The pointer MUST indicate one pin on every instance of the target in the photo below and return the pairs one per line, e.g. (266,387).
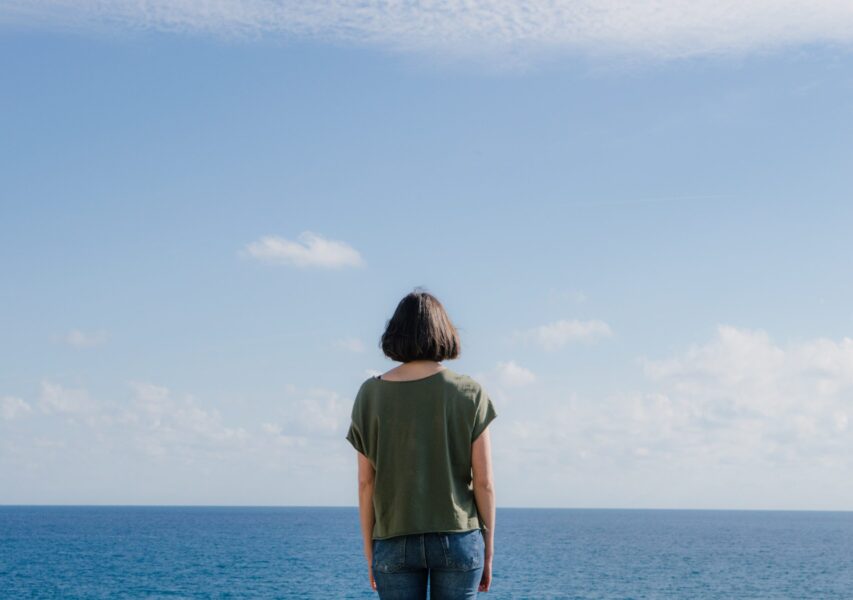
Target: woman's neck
(415,369)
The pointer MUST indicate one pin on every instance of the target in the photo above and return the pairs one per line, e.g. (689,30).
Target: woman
(426,496)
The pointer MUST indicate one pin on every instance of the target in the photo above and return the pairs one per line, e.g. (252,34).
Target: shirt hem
(420,531)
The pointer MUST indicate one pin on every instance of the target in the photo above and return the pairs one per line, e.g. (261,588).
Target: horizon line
(355,507)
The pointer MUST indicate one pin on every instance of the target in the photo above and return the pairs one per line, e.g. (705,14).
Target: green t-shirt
(417,435)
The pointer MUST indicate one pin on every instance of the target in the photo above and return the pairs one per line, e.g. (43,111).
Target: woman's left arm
(366,479)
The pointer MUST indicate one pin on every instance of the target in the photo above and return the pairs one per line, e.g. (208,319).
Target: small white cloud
(12,408)
(559,333)
(276,433)
(148,393)
(372,372)
(271,428)
(512,374)
(56,399)
(349,344)
(85,339)
(310,250)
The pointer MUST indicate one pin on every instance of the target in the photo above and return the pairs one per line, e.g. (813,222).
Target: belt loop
(444,540)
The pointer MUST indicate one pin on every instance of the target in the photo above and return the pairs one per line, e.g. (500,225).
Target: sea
(275,552)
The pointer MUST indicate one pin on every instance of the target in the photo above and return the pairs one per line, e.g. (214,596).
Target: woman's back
(418,434)
(426,500)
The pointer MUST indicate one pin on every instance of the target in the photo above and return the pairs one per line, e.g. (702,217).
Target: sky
(637,216)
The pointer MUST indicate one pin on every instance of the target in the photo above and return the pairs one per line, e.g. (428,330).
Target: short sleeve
(356,432)
(484,415)
(356,439)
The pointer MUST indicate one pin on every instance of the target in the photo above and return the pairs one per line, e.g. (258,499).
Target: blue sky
(645,244)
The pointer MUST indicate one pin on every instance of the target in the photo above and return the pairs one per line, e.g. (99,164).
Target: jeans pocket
(464,551)
(389,555)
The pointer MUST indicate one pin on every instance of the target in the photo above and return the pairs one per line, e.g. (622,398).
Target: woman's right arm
(484,495)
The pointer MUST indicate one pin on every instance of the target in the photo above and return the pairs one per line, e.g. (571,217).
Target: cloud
(57,399)
(349,344)
(662,28)
(559,333)
(317,411)
(513,375)
(154,422)
(738,420)
(84,339)
(799,392)
(739,401)
(153,445)
(282,439)
(308,418)
(310,250)
(166,425)
(12,408)
(503,380)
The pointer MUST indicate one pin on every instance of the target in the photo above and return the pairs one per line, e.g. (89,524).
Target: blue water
(179,552)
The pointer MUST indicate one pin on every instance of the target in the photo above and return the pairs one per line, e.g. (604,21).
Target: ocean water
(231,552)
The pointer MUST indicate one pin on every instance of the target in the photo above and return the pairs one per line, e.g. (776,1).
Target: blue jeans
(453,563)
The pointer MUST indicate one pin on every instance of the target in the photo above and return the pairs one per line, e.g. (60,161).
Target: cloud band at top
(652,28)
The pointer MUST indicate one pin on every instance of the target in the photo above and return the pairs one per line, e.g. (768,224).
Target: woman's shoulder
(463,381)
(365,390)
(467,387)
(368,384)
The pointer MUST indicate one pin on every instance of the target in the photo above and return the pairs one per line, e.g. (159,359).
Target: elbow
(365,485)
(484,485)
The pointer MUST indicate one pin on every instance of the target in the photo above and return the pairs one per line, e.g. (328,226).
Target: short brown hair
(420,330)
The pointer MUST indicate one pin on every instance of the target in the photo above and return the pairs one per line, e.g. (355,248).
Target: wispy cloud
(799,391)
(745,398)
(664,28)
(736,411)
(318,411)
(309,250)
(184,444)
(564,331)
(12,407)
(58,399)
(739,399)
(85,339)
(512,374)
(165,425)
